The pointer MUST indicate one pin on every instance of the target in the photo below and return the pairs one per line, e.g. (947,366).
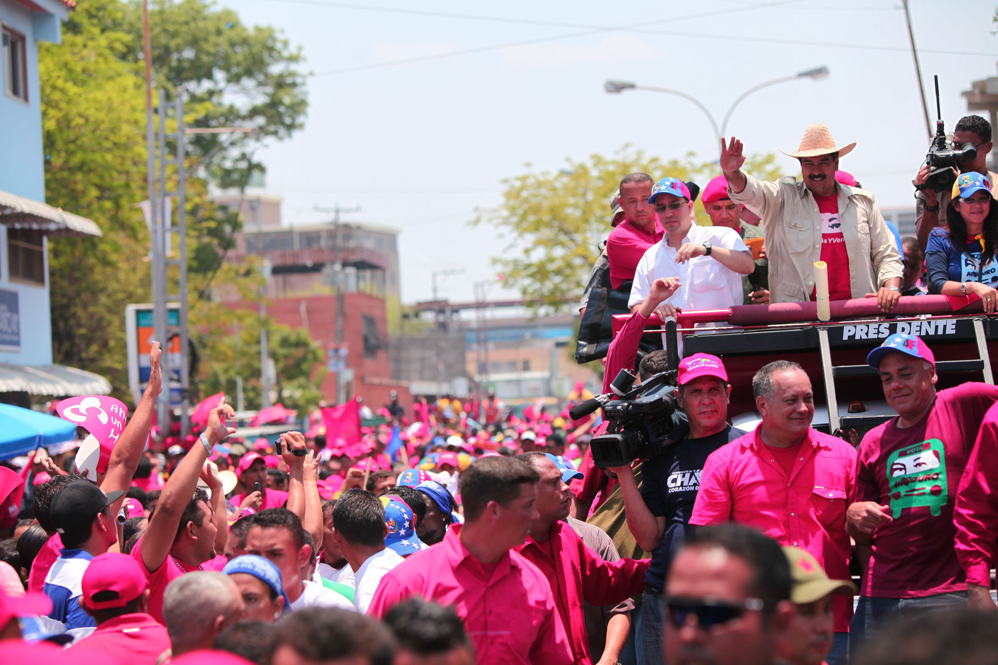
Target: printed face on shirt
(258,598)
(634,201)
(808,637)
(787,413)
(554,499)
(724,212)
(712,573)
(276,545)
(673,213)
(909,383)
(705,401)
(917,478)
(819,174)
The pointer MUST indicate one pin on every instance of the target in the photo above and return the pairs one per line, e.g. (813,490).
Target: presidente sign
(880,331)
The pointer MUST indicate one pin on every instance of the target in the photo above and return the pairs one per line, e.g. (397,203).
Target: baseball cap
(27,605)
(701,364)
(568,472)
(117,577)
(910,344)
(968,183)
(133,508)
(401,537)
(528,436)
(716,190)
(412,477)
(76,506)
(262,569)
(810,583)
(670,186)
(246,461)
(448,458)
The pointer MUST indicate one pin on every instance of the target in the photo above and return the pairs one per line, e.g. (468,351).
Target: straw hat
(818,141)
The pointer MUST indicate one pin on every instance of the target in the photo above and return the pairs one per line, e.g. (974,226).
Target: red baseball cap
(715,190)
(246,461)
(108,573)
(701,364)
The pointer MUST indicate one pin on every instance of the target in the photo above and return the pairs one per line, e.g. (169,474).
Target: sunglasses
(661,207)
(709,612)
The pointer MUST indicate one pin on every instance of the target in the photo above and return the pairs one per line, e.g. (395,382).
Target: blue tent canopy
(24,430)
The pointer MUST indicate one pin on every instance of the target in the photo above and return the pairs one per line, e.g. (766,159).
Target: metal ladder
(830,372)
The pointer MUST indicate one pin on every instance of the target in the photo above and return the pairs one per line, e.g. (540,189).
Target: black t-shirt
(669,485)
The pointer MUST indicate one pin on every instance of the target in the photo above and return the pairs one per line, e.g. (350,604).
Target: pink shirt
(137,635)
(976,513)
(43,563)
(742,483)
(159,579)
(625,247)
(271,499)
(576,573)
(507,608)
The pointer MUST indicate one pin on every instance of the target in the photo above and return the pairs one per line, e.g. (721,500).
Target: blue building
(26,222)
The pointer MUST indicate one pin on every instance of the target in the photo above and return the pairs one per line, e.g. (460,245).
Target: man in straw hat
(815,219)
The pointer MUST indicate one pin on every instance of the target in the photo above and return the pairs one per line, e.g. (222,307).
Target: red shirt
(271,499)
(43,562)
(917,472)
(576,574)
(742,482)
(625,247)
(137,635)
(976,511)
(833,249)
(159,579)
(594,483)
(507,608)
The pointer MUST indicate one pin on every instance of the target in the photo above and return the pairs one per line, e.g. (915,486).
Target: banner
(342,422)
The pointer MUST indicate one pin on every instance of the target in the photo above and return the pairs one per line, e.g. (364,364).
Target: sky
(419,109)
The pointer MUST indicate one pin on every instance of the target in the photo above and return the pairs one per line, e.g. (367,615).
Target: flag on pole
(343,422)
(395,444)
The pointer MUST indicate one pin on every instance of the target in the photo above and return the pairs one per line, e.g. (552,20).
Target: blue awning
(24,430)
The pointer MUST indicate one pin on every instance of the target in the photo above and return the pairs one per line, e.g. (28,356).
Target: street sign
(140,331)
(336,359)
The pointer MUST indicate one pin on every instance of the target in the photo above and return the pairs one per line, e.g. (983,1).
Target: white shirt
(369,575)
(344,575)
(316,595)
(706,283)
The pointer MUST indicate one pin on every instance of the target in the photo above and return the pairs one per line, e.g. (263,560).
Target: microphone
(583,409)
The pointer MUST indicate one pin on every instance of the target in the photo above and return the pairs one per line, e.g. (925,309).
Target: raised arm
(732,161)
(126,453)
(289,442)
(177,493)
(312,522)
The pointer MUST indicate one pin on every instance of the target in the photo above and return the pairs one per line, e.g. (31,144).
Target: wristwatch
(895,288)
(707,246)
(963,288)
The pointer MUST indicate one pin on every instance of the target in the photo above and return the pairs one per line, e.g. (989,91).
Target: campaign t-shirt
(833,250)
(669,487)
(916,472)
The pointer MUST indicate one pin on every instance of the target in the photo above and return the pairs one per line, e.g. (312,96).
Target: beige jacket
(792,230)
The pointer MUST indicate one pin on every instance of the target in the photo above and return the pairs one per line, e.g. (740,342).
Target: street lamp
(616,87)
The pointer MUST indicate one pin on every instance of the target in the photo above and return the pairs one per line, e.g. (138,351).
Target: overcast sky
(419,141)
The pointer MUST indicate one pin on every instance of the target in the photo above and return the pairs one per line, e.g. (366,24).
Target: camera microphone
(583,409)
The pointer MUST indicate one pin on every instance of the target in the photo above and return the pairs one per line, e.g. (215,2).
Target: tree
(555,221)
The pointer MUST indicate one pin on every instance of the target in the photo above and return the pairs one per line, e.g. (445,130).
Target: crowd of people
(459,532)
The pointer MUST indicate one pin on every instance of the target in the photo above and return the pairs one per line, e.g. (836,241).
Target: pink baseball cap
(133,508)
(246,461)
(701,364)
(112,572)
(41,478)
(272,461)
(26,605)
(715,190)
(448,458)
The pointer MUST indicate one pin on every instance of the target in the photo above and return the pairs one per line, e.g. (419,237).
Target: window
(26,255)
(526,365)
(15,65)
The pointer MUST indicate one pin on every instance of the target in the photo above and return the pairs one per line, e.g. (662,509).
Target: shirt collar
(756,442)
(458,555)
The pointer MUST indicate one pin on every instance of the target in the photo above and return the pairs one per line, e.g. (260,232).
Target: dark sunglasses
(709,612)
(661,207)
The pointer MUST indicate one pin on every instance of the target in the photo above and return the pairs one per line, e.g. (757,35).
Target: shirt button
(793,514)
(795,543)
(801,459)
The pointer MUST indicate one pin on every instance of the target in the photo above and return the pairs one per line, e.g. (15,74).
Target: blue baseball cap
(968,183)
(568,472)
(672,186)
(401,538)
(262,569)
(909,344)
(412,477)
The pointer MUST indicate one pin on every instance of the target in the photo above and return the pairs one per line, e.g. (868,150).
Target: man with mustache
(815,219)
(787,480)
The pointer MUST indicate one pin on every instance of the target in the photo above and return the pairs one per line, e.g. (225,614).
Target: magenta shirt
(137,635)
(976,512)
(625,247)
(741,482)
(507,608)
(271,499)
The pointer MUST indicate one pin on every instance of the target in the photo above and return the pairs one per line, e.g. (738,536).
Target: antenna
(939,113)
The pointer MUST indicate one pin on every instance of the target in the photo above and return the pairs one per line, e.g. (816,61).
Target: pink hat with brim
(448,458)
(699,365)
(272,461)
(246,461)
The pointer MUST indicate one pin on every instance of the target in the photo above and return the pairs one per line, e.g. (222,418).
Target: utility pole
(918,68)
(265,377)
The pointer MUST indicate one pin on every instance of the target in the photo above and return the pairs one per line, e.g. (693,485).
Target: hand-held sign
(102,416)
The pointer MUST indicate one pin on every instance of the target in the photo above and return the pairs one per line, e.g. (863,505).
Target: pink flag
(102,416)
(343,422)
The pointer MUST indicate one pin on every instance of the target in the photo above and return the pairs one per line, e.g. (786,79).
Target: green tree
(554,222)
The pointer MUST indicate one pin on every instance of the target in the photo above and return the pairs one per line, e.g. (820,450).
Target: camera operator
(931,207)
(658,513)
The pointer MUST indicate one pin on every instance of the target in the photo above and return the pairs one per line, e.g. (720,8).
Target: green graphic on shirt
(917,477)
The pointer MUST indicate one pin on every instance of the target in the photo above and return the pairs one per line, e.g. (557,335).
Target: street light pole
(616,87)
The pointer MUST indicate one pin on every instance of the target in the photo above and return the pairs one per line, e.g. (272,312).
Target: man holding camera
(658,513)
(930,205)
